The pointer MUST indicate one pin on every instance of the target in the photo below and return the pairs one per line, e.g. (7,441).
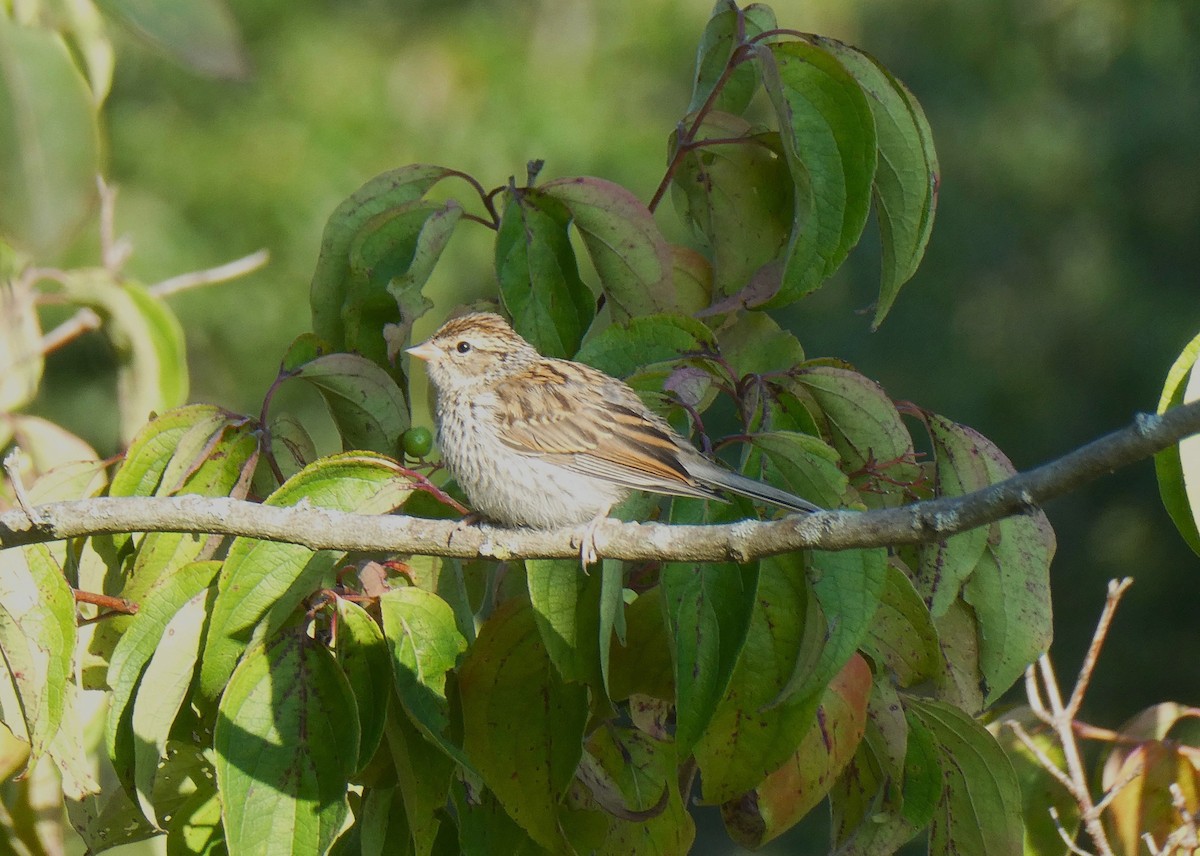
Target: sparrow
(547,443)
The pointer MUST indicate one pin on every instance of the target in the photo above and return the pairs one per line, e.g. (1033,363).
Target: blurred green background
(1059,285)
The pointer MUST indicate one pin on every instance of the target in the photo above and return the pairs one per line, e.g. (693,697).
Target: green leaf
(346,275)
(201,35)
(980,806)
(902,637)
(708,609)
(726,29)
(20,344)
(262,582)
(793,790)
(847,586)
(959,468)
(424,773)
(363,655)
(539,277)
(37,640)
(148,340)
(195,828)
(632,258)
(862,423)
(366,404)
(425,643)
(829,141)
(162,691)
(132,654)
(800,464)
(523,726)
(738,197)
(566,610)
(626,348)
(754,343)
(286,742)
(906,180)
(1178,467)
(207,452)
(743,743)
(1010,593)
(961,680)
(49,142)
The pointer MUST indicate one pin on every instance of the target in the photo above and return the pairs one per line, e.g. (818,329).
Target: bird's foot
(585,539)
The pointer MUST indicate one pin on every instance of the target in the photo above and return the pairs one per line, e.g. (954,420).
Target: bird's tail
(731,481)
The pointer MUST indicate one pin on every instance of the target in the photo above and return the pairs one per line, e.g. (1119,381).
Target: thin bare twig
(1116,589)
(12,468)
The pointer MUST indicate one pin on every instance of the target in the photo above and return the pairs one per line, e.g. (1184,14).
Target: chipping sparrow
(547,443)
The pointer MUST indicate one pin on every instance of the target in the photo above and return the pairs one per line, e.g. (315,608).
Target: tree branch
(319,528)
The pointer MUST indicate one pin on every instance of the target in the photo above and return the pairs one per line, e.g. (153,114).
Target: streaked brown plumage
(546,443)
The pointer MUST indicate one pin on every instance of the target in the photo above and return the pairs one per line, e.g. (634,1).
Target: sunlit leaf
(525,752)
(737,194)
(286,743)
(627,347)
(37,640)
(20,344)
(425,643)
(1178,466)
(262,582)
(347,278)
(363,655)
(201,35)
(49,141)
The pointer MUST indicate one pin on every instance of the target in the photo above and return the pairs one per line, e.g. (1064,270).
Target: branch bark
(931,520)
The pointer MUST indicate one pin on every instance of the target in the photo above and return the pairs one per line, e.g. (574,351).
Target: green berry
(417,442)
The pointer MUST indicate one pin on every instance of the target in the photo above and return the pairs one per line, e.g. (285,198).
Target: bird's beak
(425,351)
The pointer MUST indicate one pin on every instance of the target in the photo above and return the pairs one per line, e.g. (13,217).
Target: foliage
(269,696)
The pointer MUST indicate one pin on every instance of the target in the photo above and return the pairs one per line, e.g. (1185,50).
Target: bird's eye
(463,347)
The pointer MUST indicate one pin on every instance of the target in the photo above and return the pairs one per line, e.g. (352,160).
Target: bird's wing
(589,423)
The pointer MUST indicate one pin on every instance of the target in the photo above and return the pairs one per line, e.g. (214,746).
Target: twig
(85,319)
(1116,589)
(11,467)
(115,604)
(1066,836)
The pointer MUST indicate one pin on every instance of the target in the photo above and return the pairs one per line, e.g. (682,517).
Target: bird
(547,443)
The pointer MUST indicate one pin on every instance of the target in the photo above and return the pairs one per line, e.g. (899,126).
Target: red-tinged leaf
(980,806)
(523,725)
(1178,467)
(793,790)
(847,586)
(890,788)
(1159,748)
(632,258)
(829,141)
(863,425)
(744,741)
(539,277)
(693,278)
